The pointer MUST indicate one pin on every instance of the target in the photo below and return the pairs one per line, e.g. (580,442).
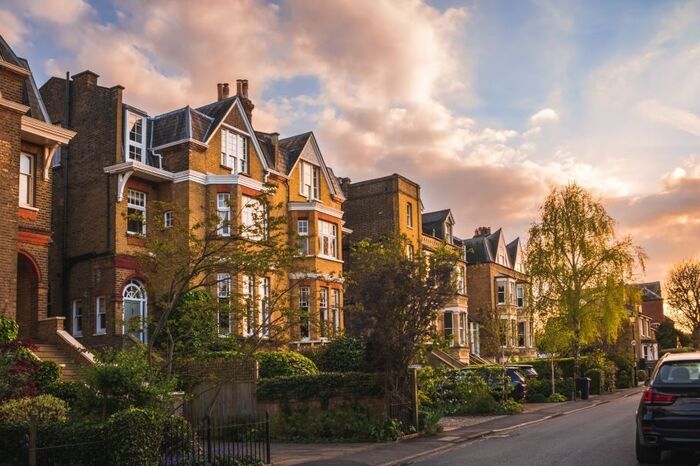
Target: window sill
(29,207)
(99,334)
(329,258)
(77,335)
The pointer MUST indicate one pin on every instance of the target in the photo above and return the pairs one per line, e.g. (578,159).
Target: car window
(679,372)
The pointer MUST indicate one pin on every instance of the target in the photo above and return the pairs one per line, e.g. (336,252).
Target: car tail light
(652,397)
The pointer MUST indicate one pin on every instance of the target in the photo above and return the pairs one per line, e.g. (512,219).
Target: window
(100,316)
(234,151)
(323,310)
(136,137)
(248,294)
(77,318)
(304,308)
(448,233)
(254,219)
(409,251)
(409,215)
(511,292)
(474,343)
(513,332)
(303,234)
(223,297)
(328,239)
(56,161)
(448,325)
(500,292)
(501,258)
(26,180)
(223,210)
(521,334)
(168,219)
(462,328)
(521,296)
(461,285)
(309,181)
(135,309)
(264,301)
(336,310)
(136,213)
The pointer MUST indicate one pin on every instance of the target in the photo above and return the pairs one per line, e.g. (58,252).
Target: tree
(669,336)
(578,267)
(395,301)
(683,294)
(194,253)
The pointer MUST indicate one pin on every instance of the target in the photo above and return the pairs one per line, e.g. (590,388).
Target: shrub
(319,386)
(9,329)
(538,390)
(623,379)
(642,375)
(46,408)
(344,354)
(510,407)
(284,363)
(70,392)
(48,374)
(455,392)
(135,437)
(597,378)
(536,397)
(18,367)
(556,398)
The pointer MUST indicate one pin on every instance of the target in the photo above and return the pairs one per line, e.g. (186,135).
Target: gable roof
(292,148)
(433,223)
(483,248)
(30,92)
(512,249)
(651,291)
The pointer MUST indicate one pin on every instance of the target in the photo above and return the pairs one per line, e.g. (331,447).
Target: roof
(694,355)
(217,111)
(335,181)
(291,147)
(30,92)
(480,249)
(651,291)
(512,250)
(433,223)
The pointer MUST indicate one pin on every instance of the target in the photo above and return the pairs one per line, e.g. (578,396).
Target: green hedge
(597,380)
(284,363)
(344,354)
(319,386)
(46,408)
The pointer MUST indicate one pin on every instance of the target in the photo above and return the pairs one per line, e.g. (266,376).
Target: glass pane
(25,164)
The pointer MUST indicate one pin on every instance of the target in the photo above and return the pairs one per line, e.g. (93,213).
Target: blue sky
(486,104)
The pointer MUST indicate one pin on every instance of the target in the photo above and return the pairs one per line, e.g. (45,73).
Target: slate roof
(268,150)
(336,182)
(30,92)
(481,249)
(512,250)
(291,147)
(433,223)
(217,111)
(651,291)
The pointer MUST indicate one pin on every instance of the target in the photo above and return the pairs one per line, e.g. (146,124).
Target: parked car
(519,382)
(668,416)
(528,370)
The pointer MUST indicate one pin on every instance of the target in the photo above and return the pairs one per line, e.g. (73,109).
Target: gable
(311,153)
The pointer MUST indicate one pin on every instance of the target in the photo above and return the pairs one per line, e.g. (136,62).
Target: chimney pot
(245,88)
(239,87)
(224,94)
(482,231)
(219,91)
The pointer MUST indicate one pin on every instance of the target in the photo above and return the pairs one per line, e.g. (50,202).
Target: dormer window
(310,181)
(448,233)
(234,152)
(135,137)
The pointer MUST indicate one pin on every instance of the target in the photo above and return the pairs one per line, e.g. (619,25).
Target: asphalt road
(599,436)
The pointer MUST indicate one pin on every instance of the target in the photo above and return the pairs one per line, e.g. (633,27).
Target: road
(598,436)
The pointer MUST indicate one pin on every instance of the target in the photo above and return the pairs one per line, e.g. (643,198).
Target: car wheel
(650,455)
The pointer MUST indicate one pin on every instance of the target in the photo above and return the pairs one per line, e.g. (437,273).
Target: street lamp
(634,362)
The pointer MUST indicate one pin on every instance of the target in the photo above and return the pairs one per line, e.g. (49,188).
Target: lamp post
(634,362)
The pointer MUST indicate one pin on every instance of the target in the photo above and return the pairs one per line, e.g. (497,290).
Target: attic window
(135,136)
(309,181)
(234,152)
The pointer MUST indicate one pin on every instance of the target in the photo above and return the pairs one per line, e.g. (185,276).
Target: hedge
(135,437)
(319,386)
(284,363)
(9,329)
(597,380)
(46,408)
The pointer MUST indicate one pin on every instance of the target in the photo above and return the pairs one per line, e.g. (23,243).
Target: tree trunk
(577,355)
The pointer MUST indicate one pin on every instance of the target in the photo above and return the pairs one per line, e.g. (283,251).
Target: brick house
(29,142)
(392,205)
(500,324)
(645,322)
(207,160)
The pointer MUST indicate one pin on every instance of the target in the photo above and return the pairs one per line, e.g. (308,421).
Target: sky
(485,104)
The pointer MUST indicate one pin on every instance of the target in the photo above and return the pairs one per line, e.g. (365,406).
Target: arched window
(135,305)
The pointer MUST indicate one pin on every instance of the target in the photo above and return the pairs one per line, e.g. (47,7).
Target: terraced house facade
(209,162)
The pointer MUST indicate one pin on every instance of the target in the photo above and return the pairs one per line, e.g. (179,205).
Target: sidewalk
(394,453)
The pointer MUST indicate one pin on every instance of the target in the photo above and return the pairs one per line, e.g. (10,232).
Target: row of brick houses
(87,168)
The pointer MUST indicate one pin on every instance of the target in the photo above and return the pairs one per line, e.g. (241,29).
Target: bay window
(448,325)
(328,239)
(500,291)
(462,328)
(248,295)
(521,334)
(234,151)
(336,310)
(521,296)
(135,137)
(323,310)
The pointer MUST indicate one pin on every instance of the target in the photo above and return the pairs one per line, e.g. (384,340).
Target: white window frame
(223,296)
(303,234)
(410,252)
(323,297)
(248,295)
(461,280)
(511,292)
(524,325)
(305,307)
(309,180)
(135,292)
(448,331)
(501,283)
(264,305)
(134,195)
(409,215)
(234,152)
(463,328)
(129,143)
(335,309)
(28,178)
(520,297)
(77,315)
(327,239)
(253,219)
(100,315)
(168,219)
(223,212)
(474,343)
(448,232)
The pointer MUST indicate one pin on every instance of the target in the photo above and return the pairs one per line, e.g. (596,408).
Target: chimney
(219,91)
(224,91)
(239,87)
(245,88)
(275,143)
(345,183)
(242,92)
(85,79)
(482,231)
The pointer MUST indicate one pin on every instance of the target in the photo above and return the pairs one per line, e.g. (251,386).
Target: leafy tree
(578,267)
(683,295)
(395,301)
(669,336)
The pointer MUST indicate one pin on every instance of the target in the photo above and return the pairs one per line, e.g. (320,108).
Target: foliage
(46,408)
(669,336)
(122,379)
(556,398)
(135,437)
(683,296)
(429,421)
(9,330)
(395,301)
(351,423)
(70,392)
(578,267)
(535,397)
(48,374)
(597,379)
(623,379)
(343,354)
(455,392)
(18,371)
(319,386)
(228,462)
(510,407)
(642,375)
(284,363)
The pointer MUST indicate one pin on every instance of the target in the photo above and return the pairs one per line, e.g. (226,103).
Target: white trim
(233,128)
(49,154)
(14,68)
(317,150)
(14,106)
(46,130)
(316,276)
(180,141)
(315,206)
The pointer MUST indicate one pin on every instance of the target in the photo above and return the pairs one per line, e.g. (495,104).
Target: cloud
(680,119)
(13,30)
(543,116)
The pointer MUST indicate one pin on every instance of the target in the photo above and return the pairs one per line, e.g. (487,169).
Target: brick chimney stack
(242,92)
(482,231)
(222,91)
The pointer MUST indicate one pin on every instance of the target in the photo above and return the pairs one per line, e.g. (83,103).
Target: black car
(528,370)
(668,416)
(519,382)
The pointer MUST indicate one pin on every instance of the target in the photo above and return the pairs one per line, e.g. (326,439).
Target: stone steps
(48,352)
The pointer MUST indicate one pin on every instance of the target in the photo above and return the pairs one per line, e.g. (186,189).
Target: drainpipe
(65,283)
